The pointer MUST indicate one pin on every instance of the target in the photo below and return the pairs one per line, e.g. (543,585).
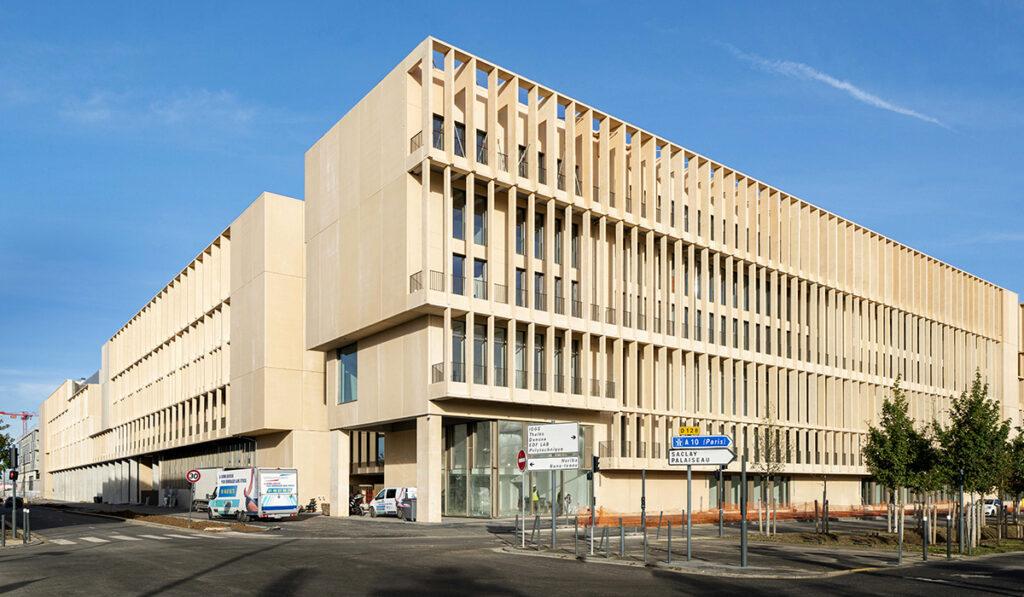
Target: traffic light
(12,455)
(13,474)
(595,466)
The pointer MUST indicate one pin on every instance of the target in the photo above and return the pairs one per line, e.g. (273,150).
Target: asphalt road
(86,555)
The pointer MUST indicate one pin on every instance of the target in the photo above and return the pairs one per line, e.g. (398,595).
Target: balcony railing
(501,293)
(577,385)
(627,318)
(609,389)
(539,381)
(559,383)
(657,325)
(607,449)
(577,308)
(657,214)
(611,198)
(560,178)
(438,140)
(595,387)
(540,301)
(641,321)
(481,154)
(595,311)
(579,187)
(609,315)
(671,329)
(416,282)
(542,174)
(560,305)
(524,168)
(520,379)
(597,193)
(437,373)
(643,209)
(480,289)
(458,284)
(459,372)
(629,204)
(500,377)
(503,162)
(479,374)
(416,141)
(521,297)
(436,281)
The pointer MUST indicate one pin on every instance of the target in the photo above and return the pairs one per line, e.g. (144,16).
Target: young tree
(972,447)
(1014,473)
(893,447)
(6,441)
(772,456)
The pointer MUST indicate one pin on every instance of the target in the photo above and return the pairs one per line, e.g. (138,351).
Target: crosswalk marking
(62,542)
(124,538)
(94,540)
(182,536)
(157,537)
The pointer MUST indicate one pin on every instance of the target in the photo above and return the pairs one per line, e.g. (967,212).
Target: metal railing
(540,301)
(609,315)
(577,308)
(416,281)
(460,146)
(657,214)
(606,448)
(481,154)
(458,284)
(629,204)
(579,187)
(539,381)
(438,139)
(671,328)
(595,387)
(611,198)
(437,373)
(627,318)
(416,141)
(560,179)
(657,325)
(609,389)
(480,289)
(560,305)
(524,167)
(597,193)
(436,281)
(479,373)
(595,311)
(520,379)
(521,297)
(641,321)
(502,162)
(560,383)
(643,209)
(458,372)
(542,174)
(501,293)
(500,376)
(577,385)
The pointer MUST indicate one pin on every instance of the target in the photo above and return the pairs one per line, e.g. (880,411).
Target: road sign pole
(526,494)
(593,507)
(554,520)
(743,512)
(192,493)
(643,507)
(14,506)
(689,511)
(721,490)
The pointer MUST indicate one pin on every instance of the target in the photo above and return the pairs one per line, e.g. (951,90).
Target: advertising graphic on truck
(246,493)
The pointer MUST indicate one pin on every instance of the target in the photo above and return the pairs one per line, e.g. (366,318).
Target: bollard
(658,534)
(519,530)
(669,543)
(622,539)
(607,543)
(949,535)
(533,535)
(924,540)
(576,537)
(3,531)
(721,522)
(25,532)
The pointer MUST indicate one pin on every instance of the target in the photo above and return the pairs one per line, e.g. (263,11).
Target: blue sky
(130,136)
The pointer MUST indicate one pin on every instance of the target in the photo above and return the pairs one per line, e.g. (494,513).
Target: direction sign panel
(698,457)
(701,441)
(553,438)
(556,463)
(689,430)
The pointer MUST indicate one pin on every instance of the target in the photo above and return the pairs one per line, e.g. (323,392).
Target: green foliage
(1014,471)
(975,441)
(896,454)
(6,441)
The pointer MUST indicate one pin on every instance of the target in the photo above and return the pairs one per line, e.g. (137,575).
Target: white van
(389,500)
(247,493)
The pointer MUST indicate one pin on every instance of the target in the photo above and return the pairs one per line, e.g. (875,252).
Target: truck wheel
(373,512)
(241,516)
(400,514)
(209,514)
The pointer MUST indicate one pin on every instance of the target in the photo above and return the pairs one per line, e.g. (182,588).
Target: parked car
(386,502)
(992,506)
(20,503)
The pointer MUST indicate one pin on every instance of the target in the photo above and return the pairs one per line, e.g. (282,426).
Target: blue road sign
(692,442)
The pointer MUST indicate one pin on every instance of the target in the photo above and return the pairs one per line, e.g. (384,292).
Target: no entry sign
(521,460)
(192,476)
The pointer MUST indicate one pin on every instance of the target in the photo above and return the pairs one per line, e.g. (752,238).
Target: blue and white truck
(255,493)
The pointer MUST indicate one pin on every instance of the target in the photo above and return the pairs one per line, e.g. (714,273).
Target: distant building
(29,472)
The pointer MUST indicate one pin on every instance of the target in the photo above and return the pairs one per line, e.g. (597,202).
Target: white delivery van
(247,493)
(387,500)
(202,490)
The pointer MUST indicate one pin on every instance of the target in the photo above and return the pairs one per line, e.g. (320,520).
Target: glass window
(458,274)
(520,231)
(480,220)
(438,132)
(480,279)
(458,350)
(479,353)
(459,214)
(520,287)
(511,493)
(460,139)
(575,245)
(538,236)
(348,374)
(521,359)
(481,146)
(558,241)
(500,350)
(480,471)
(539,369)
(539,296)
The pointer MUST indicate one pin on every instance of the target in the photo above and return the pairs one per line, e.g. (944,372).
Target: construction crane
(24,416)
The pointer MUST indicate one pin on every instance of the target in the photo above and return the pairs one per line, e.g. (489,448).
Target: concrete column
(429,478)
(340,462)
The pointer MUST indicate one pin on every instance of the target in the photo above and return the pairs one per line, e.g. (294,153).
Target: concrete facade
(493,251)
(211,372)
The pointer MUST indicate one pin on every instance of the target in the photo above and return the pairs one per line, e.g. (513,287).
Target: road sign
(689,430)
(521,460)
(553,438)
(192,476)
(701,441)
(698,457)
(556,463)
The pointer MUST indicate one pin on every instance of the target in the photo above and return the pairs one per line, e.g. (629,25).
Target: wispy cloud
(799,70)
(183,108)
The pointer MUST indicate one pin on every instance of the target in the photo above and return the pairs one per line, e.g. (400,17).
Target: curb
(149,522)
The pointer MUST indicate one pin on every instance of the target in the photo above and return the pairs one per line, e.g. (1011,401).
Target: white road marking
(157,537)
(62,542)
(124,538)
(182,536)
(94,540)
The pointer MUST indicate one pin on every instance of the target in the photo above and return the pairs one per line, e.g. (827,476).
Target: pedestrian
(534,500)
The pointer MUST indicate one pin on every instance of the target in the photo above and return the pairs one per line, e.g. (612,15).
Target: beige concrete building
(212,371)
(483,252)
